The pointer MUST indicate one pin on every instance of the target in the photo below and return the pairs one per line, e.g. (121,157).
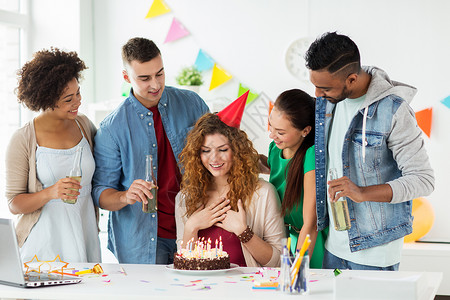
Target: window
(12,26)
(10,5)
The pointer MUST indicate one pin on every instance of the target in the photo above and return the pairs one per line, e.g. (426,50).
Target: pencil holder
(294,282)
(301,282)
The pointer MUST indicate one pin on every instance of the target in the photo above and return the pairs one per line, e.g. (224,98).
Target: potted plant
(190,78)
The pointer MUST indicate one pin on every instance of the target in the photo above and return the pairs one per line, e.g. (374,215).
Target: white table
(428,257)
(159,282)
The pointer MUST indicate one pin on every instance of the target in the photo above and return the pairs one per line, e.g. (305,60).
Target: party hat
(232,114)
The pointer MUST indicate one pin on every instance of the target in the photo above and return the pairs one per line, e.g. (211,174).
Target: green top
(278,172)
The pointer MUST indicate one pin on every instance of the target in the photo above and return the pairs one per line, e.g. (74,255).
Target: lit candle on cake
(216,247)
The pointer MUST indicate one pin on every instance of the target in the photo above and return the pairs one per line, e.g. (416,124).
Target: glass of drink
(152,205)
(339,209)
(75,173)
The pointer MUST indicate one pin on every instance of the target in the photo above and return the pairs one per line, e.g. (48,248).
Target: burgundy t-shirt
(230,242)
(168,182)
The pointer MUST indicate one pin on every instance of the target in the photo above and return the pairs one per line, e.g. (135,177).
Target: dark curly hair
(140,49)
(243,175)
(333,52)
(42,80)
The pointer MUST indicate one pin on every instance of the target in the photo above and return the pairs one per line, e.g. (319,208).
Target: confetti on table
(230,282)
(203,288)
(337,272)
(196,281)
(145,281)
(264,288)
(266,284)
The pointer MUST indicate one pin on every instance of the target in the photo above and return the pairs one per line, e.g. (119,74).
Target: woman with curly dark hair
(221,195)
(56,215)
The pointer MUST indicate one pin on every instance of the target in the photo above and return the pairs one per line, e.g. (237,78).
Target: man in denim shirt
(153,120)
(365,129)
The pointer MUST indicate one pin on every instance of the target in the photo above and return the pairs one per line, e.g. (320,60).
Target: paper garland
(126,87)
(424,118)
(204,61)
(176,31)
(252,96)
(446,102)
(159,7)
(219,77)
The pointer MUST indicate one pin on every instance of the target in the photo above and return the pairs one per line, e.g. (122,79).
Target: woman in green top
(291,162)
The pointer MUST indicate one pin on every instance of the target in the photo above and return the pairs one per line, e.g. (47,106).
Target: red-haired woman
(222,196)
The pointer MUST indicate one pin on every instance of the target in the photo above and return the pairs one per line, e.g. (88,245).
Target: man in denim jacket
(154,120)
(365,129)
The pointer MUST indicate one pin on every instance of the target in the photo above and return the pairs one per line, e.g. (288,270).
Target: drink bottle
(152,205)
(339,209)
(75,173)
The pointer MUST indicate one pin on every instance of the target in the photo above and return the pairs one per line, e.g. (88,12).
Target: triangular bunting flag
(204,61)
(158,8)
(446,102)
(271,104)
(424,118)
(232,114)
(219,77)
(126,89)
(251,96)
(176,31)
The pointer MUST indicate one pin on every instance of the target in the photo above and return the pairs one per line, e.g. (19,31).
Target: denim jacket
(392,152)
(124,138)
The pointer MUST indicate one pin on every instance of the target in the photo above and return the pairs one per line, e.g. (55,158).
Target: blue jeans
(333,262)
(165,249)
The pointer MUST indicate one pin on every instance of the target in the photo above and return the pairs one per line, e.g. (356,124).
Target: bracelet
(246,235)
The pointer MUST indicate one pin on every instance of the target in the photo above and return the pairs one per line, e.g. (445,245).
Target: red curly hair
(243,175)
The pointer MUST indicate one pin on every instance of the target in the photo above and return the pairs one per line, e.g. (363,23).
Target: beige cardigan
(263,217)
(21,170)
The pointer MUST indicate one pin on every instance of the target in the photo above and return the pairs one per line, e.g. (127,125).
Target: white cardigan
(263,217)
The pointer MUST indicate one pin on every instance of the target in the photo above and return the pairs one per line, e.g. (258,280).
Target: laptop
(11,266)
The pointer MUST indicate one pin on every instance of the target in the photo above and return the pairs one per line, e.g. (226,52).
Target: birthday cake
(200,256)
(212,259)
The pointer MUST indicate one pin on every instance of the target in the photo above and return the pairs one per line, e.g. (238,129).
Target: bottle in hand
(152,205)
(339,209)
(75,173)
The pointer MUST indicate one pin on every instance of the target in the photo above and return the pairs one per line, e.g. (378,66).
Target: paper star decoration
(26,264)
(52,265)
